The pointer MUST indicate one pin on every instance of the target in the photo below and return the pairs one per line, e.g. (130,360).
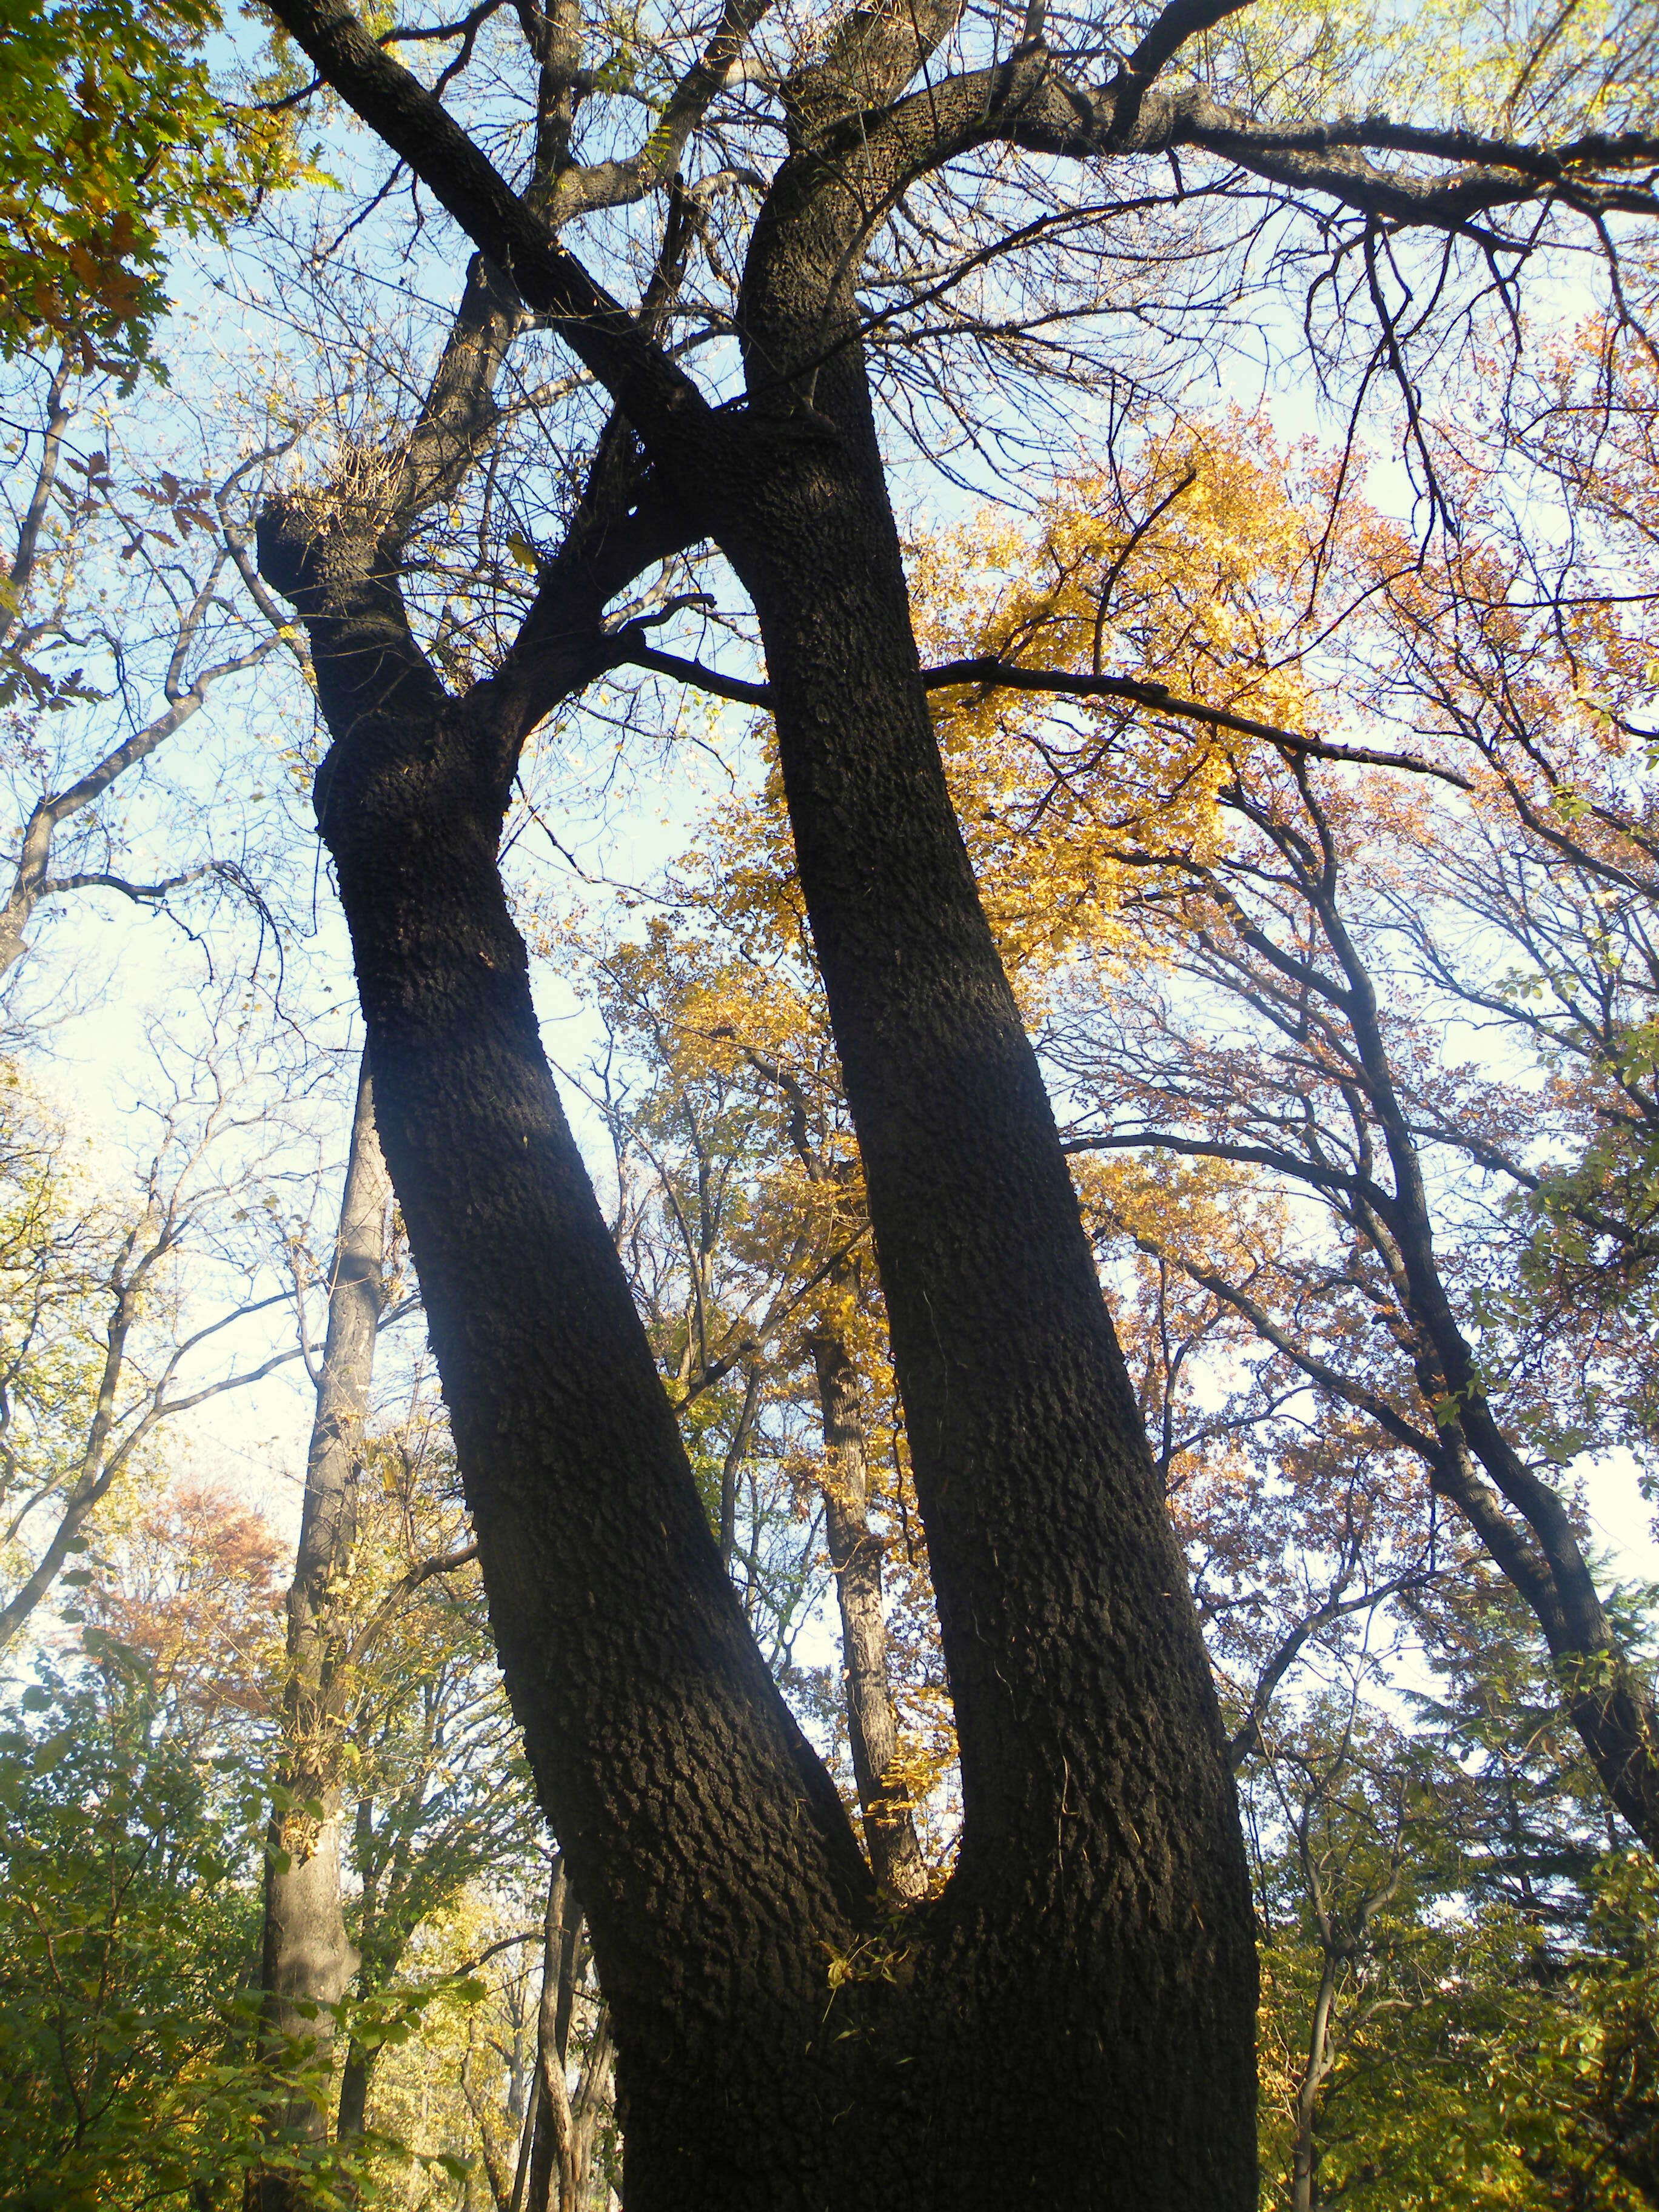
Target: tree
(111,135)
(1450,1952)
(1311,1063)
(128,1921)
(115,629)
(557,2147)
(1080,2001)
(438,1791)
(392,1757)
(98,1358)
(306,1960)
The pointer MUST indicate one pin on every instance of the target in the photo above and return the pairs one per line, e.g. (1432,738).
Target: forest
(828,1105)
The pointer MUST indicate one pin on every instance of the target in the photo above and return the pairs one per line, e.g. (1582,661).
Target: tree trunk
(307,1959)
(1075,2018)
(731,1467)
(1304,2149)
(561,2155)
(354,2077)
(527,2136)
(889,1833)
(552,2165)
(713,1858)
(1073,2021)
(588,2107)
(1094,1953)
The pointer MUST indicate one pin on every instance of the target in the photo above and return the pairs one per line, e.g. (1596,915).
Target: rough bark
(1100,2003)
(307,1959)
(705,1836)
(1117,1965)
(889,1831)
(1078,2009)
(1081,2002)
(1074,2020)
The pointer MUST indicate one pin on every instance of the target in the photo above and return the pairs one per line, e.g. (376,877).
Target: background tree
(1284,1043)
(306,1960)
(129,2075)
(113,136)
(101,1350)
(116,628)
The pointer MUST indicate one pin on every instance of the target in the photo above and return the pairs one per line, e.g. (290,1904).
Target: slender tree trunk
(552,2167)
(354,2077)
(1609,1702)
(1304,2150)
(562,2156)
(60,412)
(731,1467)
(889,1832)
(588,2107)
(526,2140)
(351,2116)
(307,1959)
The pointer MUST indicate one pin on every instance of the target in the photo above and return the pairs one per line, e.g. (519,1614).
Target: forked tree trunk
(307,1959)
(890,1830)
(1090,1965)
(1304,2146)
(564,2128)
(1072,2021)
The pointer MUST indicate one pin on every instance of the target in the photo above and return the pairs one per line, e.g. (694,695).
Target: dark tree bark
(354,2077)
(307,1958)
(1101,2002)
(699,1825)
(890,1829)
(1071,2019)
(1075,2018)
(1080,2004)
